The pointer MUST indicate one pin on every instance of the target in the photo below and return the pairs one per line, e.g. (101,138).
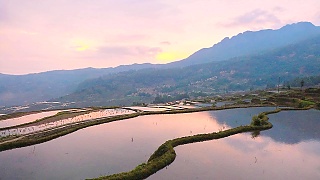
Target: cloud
(145,8)
(165,43)
(111,56)
(256,16)
(278,9)
(97,33)
(4,16)
(317,18)
(28,33)
(130,50)
(127,37)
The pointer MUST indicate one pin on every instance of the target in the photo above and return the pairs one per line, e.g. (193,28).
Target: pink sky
(42,35)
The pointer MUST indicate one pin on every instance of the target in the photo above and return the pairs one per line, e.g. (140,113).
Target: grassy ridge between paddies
(47,135)
(55,117)
(20,114)
(155,161)
(17,114)
(165,154)
(12,142)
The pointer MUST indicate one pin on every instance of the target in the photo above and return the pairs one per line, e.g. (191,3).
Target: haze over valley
(250,60)
(161,89)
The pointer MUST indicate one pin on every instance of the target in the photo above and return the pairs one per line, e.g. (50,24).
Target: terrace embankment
(165,154)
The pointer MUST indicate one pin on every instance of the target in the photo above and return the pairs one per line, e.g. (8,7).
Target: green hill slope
(237,74)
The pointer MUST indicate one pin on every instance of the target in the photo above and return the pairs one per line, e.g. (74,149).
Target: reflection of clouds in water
(245,143)
(212,116)
(261,158)
(311,146)
(146,109)
(26,119)
(112,141)
(221,126)
(77,119)
(292,127)
(238,116)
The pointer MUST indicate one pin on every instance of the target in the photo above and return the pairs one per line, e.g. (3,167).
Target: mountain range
(252,42)
(246,61)
(242,73)
(25,89)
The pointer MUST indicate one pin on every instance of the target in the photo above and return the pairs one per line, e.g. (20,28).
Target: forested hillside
(237,74)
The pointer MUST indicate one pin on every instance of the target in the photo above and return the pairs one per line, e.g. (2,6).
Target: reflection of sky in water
(265,157)
(241,157)
(149,108)
(25,119)
(295,126)
(120,146)
(161,108)
(239,116)
(80,118)
(106,148)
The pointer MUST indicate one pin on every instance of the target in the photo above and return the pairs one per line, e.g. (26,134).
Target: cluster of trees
(305,81)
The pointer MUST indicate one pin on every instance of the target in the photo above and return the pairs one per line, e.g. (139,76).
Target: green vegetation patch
(305,104)
(165,154)
(59,116)
(50,134)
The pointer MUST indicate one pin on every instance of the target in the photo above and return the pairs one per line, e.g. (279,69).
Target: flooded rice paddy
(26,119)
(62,122)
(290,150)
(161,108)
(120,146)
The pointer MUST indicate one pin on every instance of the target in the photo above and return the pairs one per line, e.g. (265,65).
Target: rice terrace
(149,149)
(159,89)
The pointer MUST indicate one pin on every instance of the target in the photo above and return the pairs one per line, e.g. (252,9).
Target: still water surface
(120,146)
(25,119)
(43,126)
(290,150)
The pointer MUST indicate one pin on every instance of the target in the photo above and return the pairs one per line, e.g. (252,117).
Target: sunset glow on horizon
(51,35)
(166,57)
(82,45)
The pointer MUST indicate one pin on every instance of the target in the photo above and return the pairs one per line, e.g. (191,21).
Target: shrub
(256,121)
(304,104)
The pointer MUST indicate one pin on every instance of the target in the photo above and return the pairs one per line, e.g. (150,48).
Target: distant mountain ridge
(24,89)
(251,42)
(237,74)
